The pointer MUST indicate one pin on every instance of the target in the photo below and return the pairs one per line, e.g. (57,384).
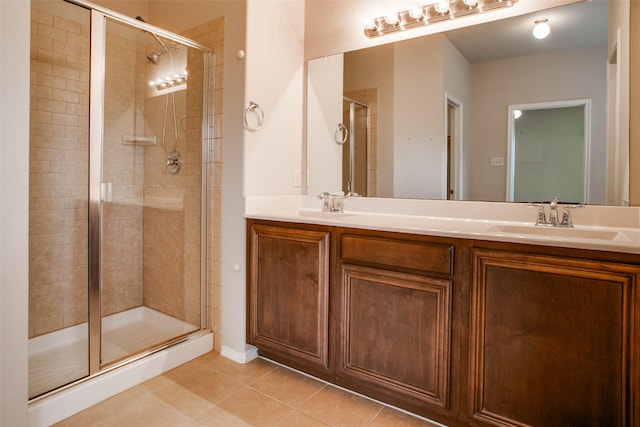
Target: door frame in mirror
(455,128)
(511,139)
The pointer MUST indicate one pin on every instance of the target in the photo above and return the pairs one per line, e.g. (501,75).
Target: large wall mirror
(437,119)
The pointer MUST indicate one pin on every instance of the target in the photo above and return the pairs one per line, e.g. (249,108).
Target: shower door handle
(106,194)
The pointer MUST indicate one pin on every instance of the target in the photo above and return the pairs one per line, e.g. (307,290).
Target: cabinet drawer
(398,253)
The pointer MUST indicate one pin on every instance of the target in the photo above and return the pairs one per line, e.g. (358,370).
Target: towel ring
(341,134)
(257,110)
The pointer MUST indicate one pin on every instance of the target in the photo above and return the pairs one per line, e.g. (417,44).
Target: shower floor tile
(214,391)
(62,357)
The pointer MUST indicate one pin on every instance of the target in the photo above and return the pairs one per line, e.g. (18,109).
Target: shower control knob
(173,163)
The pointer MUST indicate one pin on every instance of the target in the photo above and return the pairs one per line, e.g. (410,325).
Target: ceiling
(573,26)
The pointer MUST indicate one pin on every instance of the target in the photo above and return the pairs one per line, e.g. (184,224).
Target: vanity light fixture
(436,11)
(541,29)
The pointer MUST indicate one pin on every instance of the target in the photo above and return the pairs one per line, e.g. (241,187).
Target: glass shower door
(58,196)
(151,191)
(355,149)
(118,184)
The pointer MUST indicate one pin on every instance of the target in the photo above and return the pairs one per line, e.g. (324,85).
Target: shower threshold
(61,357)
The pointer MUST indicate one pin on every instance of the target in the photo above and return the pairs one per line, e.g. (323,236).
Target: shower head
(155,56)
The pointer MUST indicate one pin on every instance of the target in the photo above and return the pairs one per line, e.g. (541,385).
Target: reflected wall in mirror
(443,99)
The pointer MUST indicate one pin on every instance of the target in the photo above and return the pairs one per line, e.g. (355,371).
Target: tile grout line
(435,423)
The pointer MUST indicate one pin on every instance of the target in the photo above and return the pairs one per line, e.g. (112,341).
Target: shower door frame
(352,145)
(99,19)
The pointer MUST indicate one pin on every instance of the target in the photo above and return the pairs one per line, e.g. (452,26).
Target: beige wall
(418,122)
(618,81)
(324,112)
(634,106)
(14,210)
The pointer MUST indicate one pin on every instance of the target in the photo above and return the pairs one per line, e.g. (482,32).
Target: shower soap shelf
(138,140)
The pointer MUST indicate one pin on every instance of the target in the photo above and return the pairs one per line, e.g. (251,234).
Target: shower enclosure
(355,156)
(119,143)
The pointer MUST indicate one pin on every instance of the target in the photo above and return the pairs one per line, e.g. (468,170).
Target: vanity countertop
(606,228)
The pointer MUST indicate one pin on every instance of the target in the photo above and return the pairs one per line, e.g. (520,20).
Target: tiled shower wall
(211,34)
(58,187)
(368,124)
(123,167)
(151,245)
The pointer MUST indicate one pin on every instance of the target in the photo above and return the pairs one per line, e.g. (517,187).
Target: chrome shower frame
(99,17)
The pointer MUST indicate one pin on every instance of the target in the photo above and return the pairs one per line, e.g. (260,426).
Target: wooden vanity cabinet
(464,332)
(552,340)
(393,295)
(288,293)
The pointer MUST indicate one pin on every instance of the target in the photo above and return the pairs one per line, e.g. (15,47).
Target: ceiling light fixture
(435,11)
(541,29)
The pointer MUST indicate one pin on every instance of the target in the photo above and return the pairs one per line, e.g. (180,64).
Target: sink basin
(575,233)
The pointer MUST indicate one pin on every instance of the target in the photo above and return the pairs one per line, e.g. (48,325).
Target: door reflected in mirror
(549,147)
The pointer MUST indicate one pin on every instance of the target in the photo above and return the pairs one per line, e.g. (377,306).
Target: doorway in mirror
(548,151)
(359,152)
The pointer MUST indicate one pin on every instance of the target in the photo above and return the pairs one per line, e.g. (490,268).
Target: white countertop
(606,228)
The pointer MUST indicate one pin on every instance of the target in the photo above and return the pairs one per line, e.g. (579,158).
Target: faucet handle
(542,217)
(326,200)
(566,214)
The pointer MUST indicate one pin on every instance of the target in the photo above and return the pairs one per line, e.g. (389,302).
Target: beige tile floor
(214,391)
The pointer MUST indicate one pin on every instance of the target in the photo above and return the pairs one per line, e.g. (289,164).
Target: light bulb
(370,24)
(541,30)
(391,19)
(441,6)
(470,3)
(416,13)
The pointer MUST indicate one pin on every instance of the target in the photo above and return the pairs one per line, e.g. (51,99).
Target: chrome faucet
(331,202)
(553,211)
(553,221)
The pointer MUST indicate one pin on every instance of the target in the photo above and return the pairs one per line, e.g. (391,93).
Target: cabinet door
(288,293)
(395,332)
(551,341)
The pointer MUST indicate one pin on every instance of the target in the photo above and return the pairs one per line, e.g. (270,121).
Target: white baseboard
(241,357)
